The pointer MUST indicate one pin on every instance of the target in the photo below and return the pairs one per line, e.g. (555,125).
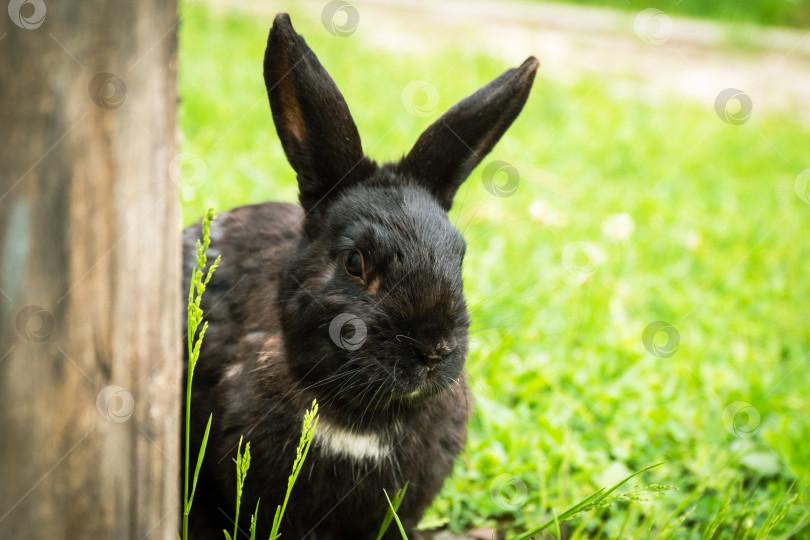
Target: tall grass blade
(396,517)
(199,463)
(242,466)
(720,517)
(594,500)
(392,509)
(307,432)
(253,520)
(778,513)
(557,527)
(194,317)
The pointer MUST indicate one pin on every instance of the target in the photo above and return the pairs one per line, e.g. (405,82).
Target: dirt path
(643,55)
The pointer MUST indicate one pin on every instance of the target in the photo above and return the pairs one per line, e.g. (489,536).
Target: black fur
(268,350)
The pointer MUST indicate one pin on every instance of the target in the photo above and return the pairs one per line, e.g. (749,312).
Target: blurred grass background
(711,238)
(770,12)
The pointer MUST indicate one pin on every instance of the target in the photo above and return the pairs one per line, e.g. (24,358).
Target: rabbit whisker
(407,337)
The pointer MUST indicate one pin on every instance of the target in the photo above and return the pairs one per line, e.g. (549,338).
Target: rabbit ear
(312,119)
(447,152)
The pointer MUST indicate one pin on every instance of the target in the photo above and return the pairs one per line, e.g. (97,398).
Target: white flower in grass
(618,227)
(582,259)
(692,240)
(547,215)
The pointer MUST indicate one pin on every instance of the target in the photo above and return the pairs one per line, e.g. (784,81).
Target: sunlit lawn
(568,399)
(768,12)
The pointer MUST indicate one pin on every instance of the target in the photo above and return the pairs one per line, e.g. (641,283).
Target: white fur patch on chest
(340,441)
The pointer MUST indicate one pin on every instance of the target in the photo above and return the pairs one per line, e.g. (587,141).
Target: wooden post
(90,344)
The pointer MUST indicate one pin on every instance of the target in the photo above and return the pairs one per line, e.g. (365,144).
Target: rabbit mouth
(426,382)
(411,391)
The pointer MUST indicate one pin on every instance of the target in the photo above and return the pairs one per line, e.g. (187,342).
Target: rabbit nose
(439,352)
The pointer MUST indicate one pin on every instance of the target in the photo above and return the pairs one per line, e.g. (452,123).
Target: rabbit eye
(353,263)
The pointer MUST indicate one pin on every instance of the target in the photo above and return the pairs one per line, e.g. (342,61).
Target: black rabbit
(354,298)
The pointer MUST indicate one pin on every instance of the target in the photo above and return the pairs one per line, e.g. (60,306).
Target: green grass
(200,278)
(770,12)
(568,399)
